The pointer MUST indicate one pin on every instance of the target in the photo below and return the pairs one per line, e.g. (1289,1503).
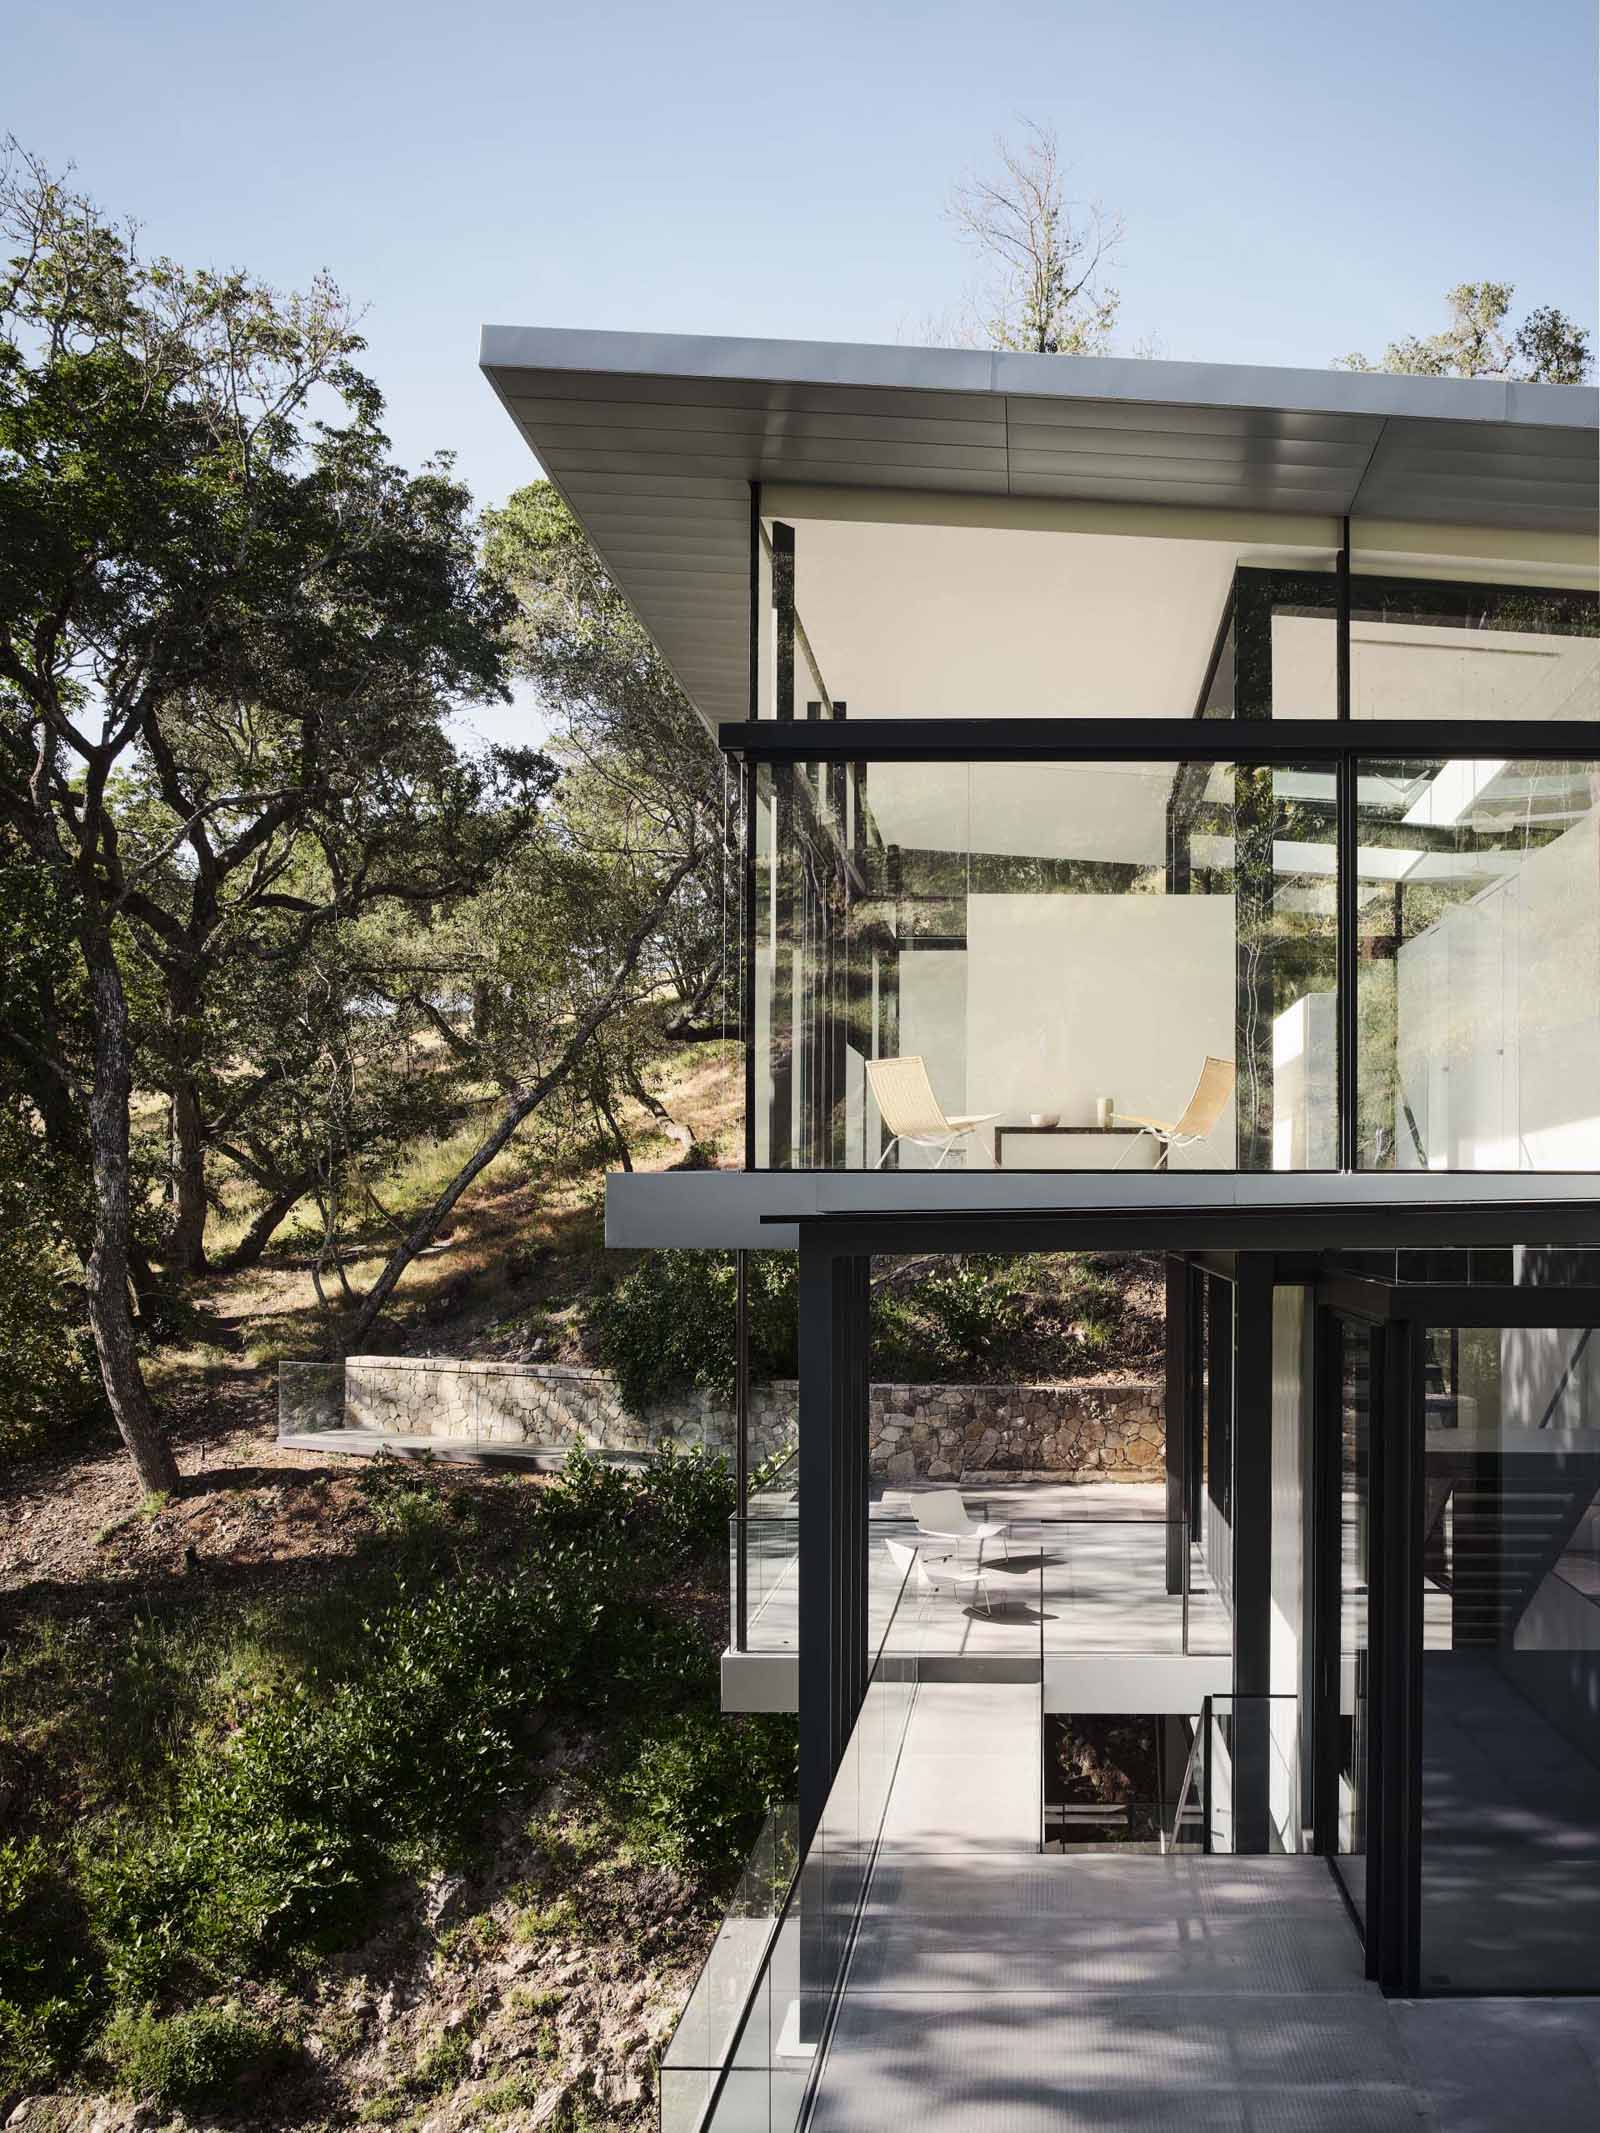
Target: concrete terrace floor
(993,1989)
(1083,1571)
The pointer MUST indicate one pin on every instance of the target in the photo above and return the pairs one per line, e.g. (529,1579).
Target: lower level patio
(1081,1568)
(991,1987)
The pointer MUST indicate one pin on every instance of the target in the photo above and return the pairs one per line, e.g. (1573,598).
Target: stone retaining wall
(918,1432)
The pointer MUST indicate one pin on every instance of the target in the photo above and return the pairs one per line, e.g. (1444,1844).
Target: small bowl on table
(1044,1119)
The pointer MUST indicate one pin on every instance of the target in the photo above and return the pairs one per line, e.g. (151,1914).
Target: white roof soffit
(654,440)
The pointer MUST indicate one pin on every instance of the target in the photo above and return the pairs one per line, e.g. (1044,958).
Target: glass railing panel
(772,1566)
(771,1544)
(1047,1587)
(709,2024)
(1508,1528)
(1247,1765)
(928,934)
(742,2057)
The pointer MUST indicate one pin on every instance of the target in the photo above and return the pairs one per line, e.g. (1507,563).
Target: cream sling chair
(1204,1108)
(912,1112)
(951,1575)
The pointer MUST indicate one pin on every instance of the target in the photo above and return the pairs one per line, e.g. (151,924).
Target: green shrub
(196,2057)
(279,1840)
(689,1498)
(266,1805)
(669,1324)
(48,1986)
(629,1522)
(699,1785)
(411,1504)
(962,1316)
(48,1382)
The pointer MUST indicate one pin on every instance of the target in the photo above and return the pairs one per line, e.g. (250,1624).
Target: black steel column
(1346,906)
(1252,1551)
(1396,1776)
(1179,1394)
(833,1515)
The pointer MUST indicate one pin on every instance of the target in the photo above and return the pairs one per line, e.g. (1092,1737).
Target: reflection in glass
(1511,1665)
(1047,939)
(1355,1581)
(1422,649)
(1479,964)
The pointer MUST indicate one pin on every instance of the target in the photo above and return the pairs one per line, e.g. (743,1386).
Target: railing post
(741,1452)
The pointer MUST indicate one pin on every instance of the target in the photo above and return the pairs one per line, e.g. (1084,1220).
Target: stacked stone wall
(917,1432)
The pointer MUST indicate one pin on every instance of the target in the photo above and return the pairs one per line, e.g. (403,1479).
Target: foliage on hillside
(213,1810)
(668,1324)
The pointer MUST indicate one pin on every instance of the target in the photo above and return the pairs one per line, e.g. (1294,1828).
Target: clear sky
(1297,179)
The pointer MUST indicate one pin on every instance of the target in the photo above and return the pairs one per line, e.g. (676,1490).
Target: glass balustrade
(1102,1585)
(1243,1789)
(743,2055)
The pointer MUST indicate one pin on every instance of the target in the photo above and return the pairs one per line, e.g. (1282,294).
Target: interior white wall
(1074,623)
(1498,1019)
(933,1022)
(1431,670)
(1069,998)
(1102,811)
(1545,1368)
(1305,1080)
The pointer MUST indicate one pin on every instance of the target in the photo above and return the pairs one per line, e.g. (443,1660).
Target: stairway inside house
(1498,1524)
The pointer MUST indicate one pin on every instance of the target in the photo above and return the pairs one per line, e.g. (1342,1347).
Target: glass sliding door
(1510,1573)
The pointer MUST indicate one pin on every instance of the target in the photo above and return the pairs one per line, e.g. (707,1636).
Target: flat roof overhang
(655,439)
(909,1211)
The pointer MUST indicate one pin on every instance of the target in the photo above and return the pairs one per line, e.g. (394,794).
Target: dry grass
(522,1248)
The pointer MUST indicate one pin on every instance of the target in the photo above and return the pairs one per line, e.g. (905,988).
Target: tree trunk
(187,1251)
(186,1247)
(110,1313)
(262,1228)
(523,1103)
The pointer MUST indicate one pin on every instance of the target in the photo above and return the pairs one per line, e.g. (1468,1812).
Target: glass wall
(1479,964)
(928,607)
(1511,1661)
(1045,966)
(1450,648)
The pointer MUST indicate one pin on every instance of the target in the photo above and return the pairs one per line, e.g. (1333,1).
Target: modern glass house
(1171,822)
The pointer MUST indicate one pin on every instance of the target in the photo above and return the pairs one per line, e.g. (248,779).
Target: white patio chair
(1200,1114)
(941,1514)
(944,1572)
(912,1112)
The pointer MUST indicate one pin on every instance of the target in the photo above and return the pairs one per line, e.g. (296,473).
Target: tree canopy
(1546,348)
(1041,254)
(231,634)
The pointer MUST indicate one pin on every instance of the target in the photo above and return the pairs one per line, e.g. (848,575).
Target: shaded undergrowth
(202,1803)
